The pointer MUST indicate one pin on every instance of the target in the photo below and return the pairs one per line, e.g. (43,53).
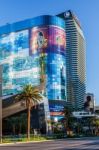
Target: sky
(87,12)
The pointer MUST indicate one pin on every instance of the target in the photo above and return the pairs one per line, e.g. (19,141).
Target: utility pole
(0,103)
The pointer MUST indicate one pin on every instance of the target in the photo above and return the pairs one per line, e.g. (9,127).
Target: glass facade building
(34,51)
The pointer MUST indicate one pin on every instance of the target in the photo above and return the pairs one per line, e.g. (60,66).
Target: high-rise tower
(75,60)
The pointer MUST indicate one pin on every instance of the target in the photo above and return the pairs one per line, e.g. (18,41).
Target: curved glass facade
(32,52)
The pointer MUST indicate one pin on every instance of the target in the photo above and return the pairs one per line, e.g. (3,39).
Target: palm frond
(29,94)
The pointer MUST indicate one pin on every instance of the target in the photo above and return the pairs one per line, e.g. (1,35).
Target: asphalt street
(74,144)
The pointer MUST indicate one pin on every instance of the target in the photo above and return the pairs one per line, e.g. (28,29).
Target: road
(74,144)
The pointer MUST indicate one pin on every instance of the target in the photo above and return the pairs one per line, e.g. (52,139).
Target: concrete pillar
(47,116)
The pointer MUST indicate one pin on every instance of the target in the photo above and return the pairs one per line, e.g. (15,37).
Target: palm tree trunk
(20,126)
(13,129)
(28,123)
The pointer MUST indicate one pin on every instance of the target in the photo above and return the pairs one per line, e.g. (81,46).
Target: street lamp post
(0,103)
(0,120)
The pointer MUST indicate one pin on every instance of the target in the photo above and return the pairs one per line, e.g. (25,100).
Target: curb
(5,144)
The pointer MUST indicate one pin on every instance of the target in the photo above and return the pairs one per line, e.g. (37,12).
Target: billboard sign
(47,39)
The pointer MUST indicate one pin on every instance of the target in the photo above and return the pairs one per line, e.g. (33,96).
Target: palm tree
(90,121)
(32,97)
(13,123)
(96,124)
(42,61)
(22,122)
(68,118)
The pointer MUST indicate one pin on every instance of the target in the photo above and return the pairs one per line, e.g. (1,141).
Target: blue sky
(88,14)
